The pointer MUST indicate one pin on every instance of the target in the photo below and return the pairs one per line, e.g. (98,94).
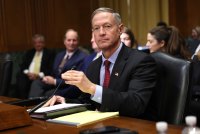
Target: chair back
(172,94)
(5,73)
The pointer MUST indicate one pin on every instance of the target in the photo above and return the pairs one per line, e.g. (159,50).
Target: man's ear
(162,43)
(121,28)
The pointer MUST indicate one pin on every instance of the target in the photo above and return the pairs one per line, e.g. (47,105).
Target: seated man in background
(36,63)
(122,79)
(64,61)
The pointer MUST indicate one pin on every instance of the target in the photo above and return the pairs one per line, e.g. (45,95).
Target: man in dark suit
(64,61)
(92,56)
(132,73)
(36,63)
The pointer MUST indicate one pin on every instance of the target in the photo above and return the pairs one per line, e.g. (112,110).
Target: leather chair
(195,102)
(5,73)
(170,100)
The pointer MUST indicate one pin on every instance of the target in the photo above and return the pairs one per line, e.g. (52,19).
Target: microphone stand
(42,103)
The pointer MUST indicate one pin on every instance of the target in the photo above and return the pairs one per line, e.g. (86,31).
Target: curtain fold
(139,15)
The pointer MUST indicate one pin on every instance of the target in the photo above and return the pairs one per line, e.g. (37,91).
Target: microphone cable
(42,103)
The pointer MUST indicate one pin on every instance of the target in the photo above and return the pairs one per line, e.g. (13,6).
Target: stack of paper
(83,118)
(58,110)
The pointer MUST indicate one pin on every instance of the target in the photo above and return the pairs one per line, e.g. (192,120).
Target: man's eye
(107,26)
(95,28)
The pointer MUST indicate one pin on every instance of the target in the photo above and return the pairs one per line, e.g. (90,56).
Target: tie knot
(37,53)
(107,63)
(66,57)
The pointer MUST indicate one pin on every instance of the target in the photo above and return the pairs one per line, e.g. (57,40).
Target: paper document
(83,118)
(56,107)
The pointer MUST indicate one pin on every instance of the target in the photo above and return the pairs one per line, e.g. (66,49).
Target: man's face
(106,31)
(71,41)
(94,44)
(38,44)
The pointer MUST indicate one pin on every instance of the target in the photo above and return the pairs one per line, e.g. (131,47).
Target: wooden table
(43,127)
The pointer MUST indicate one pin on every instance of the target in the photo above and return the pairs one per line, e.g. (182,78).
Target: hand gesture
(80,80)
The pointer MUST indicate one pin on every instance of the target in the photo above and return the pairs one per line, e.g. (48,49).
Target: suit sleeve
(47,61)
(26,60)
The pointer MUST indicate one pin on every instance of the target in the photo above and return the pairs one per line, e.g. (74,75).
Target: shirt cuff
(26,71)
(55,81)
(97,97)
(41,75)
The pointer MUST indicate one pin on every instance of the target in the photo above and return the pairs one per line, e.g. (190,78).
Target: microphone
(42,103)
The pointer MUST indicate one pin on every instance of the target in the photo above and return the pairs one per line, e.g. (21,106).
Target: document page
(56,107)
(83,118)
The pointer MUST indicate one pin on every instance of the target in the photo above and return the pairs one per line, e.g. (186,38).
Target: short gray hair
(108,10)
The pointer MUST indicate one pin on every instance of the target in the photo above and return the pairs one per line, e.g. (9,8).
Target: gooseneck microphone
(42,103)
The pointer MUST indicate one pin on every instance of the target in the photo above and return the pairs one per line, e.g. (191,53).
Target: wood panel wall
(184,14)
(20,19)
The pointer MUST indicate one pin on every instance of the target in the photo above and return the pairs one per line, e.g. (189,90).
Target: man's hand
(49,80)
(54,100)
(80,80)
(32,76)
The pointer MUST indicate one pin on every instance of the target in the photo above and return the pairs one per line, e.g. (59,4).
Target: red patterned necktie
(107,73)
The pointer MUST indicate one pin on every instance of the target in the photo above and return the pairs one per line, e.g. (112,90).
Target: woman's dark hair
(161,23)
(174,41)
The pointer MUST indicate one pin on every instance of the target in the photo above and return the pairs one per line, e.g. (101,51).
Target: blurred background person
(194,40)
(94,55)
(36,63)
(167,40)
(128,38)
(71,57)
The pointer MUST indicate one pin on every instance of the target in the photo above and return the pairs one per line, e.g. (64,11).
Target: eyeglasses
(105,27)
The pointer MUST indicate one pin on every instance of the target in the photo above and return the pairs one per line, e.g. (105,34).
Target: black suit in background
(192,44)
(132,80)
(22,81)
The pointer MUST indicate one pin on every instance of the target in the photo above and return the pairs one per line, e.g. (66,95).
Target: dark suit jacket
(192,44)
(23,82)
(76,60)
(46,64)
(87,61)
(132,80)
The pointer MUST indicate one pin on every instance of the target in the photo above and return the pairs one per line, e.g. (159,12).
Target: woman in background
(194,40)
(128,38)
(167,40)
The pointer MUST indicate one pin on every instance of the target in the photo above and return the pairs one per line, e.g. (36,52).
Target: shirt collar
(69,54)
(113,57)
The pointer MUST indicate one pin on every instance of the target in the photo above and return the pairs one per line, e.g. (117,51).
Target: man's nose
(102,30)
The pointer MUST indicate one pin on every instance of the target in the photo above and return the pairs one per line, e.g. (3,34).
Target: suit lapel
(95,76)
(119,66)
(71,61)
